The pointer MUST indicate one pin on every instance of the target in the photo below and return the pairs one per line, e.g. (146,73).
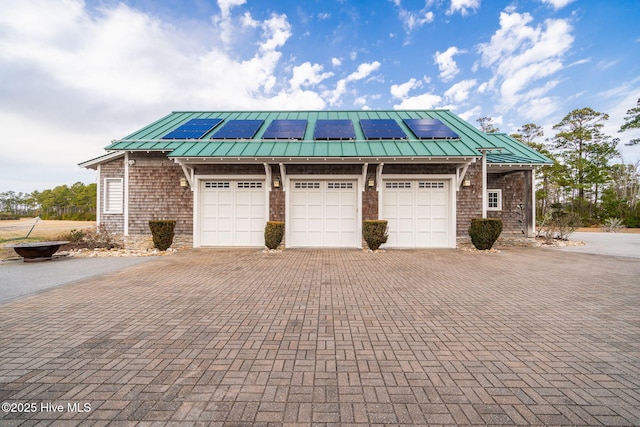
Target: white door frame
(197,226)
(307,177)
(435,177)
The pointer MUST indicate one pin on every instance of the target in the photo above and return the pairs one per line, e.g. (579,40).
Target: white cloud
(226,6)
(225,23)
(83,77)
(336,62)
(364,70)
(125,58)
(557,4)
(463,6)
(307,74)
(615,102)
(471,114)
(580,62)
(446,64)
(523,57)
(424,101)
(360,101)
(459,92)
(603,65)
(413,19)
(402,90)
(538,109)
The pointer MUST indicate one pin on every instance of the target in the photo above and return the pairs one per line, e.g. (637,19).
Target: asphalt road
(612,244)
(18,278)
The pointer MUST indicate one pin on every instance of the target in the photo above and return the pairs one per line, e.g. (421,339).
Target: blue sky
(76,75)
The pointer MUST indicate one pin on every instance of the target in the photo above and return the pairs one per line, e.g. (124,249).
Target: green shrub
(484,232)
(162,232)
(273,234)
(374,233)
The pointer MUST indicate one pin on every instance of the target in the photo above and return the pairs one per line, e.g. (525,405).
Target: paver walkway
(240,337)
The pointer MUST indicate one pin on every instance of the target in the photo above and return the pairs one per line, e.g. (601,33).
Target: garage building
(223,174)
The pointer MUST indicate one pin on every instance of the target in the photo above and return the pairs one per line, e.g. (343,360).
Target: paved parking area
(239,337)
(612,244)
(19,278)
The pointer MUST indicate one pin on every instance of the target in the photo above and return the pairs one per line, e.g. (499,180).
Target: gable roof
(150,138)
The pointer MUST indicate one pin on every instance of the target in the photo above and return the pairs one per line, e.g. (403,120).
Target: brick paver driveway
(523,336)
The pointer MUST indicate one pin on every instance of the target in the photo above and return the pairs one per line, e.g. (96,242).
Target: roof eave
(94,163)
(328,159)
(498,167)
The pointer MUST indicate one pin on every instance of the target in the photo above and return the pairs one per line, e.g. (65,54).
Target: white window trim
(107,195)
(498,193)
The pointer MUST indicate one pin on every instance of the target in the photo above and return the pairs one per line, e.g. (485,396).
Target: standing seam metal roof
(149,138)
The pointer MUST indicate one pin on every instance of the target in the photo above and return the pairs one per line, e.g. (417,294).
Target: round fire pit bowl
(37,251)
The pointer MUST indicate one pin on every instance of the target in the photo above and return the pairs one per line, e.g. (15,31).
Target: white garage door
(232,213)
(418,212)
(323,214)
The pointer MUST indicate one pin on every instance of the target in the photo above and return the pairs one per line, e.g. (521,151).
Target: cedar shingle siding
(155,193)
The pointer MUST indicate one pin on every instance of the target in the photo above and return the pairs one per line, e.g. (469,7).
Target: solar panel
(334,129)
(285,129)
(430,129)
(382,129)
(238,129)
(193,129)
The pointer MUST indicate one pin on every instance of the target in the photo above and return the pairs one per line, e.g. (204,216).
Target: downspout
(533,203)
(126,194)
(99,195)
(379,187)
(267,190)
(484,183)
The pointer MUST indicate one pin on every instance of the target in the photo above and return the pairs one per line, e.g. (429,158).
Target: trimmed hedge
(162,232)
(484,232)
(374,233)
(273,234)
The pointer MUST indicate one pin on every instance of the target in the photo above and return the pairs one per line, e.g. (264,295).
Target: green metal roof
(149,138)
(515,152)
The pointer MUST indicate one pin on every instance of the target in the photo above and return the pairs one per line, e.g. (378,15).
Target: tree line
(584,181)
(77,202)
